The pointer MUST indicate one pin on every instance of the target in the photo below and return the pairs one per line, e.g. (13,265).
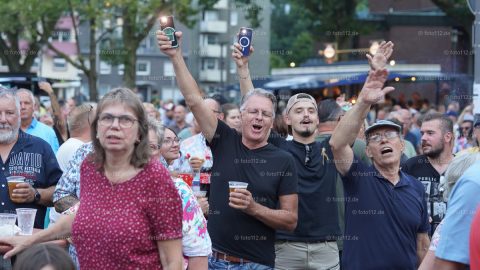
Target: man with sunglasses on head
(387,222)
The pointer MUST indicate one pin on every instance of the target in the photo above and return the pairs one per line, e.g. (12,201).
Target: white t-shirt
(64,155)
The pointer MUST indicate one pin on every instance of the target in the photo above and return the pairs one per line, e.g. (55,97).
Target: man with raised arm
(313,244)
(242,223)
(387,225)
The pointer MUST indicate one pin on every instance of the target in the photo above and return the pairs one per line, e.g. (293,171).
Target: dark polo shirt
(382,220)
(34,159)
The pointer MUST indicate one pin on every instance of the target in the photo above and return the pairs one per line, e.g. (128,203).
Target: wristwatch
(37,196)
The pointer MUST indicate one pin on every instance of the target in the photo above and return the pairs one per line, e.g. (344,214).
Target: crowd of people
(331,185)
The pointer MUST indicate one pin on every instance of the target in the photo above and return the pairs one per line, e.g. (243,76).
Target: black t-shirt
(420,168)
(269,172)
(317,197)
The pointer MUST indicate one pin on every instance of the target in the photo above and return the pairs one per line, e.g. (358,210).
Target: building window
(234,18)
(168,69)
(146,43)
(208,64)
(212,39)
(61,35)
(233,67)
(210,15)
(143,68)
(59,64)
(121,69)
(105,68)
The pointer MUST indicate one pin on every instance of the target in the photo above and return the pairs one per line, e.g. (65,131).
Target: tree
(139,17)
(459,12)
(92,13)
(25,29)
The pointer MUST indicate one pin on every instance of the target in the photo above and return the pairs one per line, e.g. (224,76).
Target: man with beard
(313,244)
(242,222)
(28,156)
(437,146)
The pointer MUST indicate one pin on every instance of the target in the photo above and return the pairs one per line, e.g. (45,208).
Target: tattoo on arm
(66,202)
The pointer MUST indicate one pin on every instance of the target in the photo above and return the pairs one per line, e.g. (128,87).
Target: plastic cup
(200,193)
(26,219)
(234,185)
(12,183)
(7,219)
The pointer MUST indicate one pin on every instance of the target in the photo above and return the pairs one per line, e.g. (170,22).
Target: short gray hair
(457,167)
(9,93)
(262,93)
(157,127)
(30,93)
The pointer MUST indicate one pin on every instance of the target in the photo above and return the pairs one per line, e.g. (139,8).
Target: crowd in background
(121,139)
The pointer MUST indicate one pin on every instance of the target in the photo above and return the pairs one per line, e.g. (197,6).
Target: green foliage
(277,61)
(31,21)
(252,11)
(459,12)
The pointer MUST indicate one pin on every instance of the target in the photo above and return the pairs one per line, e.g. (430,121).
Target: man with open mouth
(242,222)
(387,219)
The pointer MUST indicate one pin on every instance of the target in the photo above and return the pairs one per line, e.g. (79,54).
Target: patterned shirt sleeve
(195,240)
(69,183)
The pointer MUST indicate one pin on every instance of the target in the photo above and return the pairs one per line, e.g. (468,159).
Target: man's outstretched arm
(350,124)
(188,86)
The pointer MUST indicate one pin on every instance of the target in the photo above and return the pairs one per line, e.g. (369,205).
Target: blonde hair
(464,160)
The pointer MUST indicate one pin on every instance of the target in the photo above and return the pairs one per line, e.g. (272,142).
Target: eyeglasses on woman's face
(124,121)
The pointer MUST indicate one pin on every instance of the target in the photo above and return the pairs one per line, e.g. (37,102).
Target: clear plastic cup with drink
(232,185)
(26,219)
(12,184)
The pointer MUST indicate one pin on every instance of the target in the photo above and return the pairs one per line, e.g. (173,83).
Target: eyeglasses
(308,150)
(465,128)
(255,112)
(154,146)
(171,141)
(124,121)
(387,135)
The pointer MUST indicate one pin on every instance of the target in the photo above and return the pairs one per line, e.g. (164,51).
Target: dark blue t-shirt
(382,220)
(34,159)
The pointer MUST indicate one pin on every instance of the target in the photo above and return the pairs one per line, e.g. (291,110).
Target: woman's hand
(203,202)
(18,243)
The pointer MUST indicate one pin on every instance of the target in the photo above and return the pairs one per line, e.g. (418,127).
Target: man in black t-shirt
(313,243)
(242,223)
(437,145)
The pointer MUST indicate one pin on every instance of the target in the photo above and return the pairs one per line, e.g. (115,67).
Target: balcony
(219,27)
(212,51)
(212,75)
